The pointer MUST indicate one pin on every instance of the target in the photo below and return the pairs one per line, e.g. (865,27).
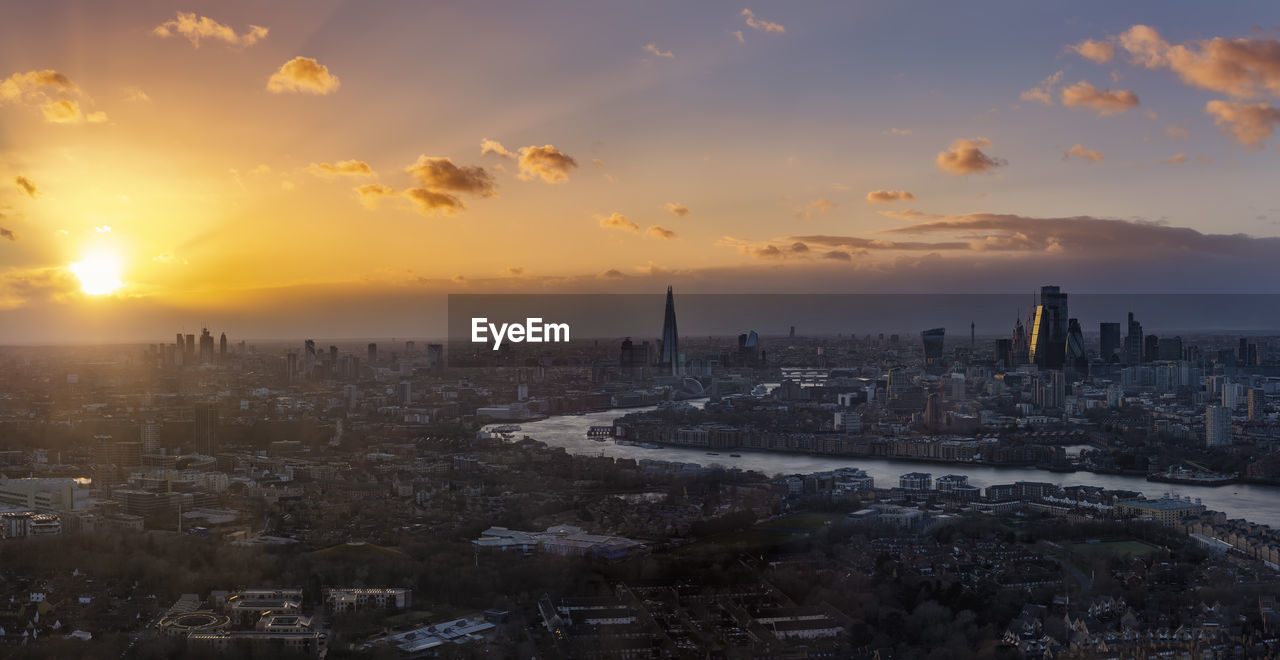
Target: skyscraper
(222,348)
(1076,358)
(1109,336)
(933,344)
(189,350)
(669,355)
(372,357)
(1133,342)
(1048,344)
(206,346)
(1217,426)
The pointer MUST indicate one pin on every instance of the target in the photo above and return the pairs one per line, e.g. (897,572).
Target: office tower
(1233,395)
(973,336)
(189,350)
(291,366)
(222,348)
(150,437)
(409,346)
(899,382)
(206,415)
(1020,343)
(932,340)
(333,357)
(1217,426)
(1109,341)
(1171,348)
(1244,351)
(893,341)
(206,346)
(1150,348)
(404,392)
(793,332)
(308,356)
(634,360)
(934,416)
(1048,342)
(435,357)
(372,357)
(669,355)
(1076,358)
(1133,342)
(1004,353)
(349,395)
(1050,390)
(1257,404)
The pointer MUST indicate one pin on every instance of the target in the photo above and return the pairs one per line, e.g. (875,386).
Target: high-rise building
(933,344)
(150,437)
(222,348)
(1076,359)
(1150,348)
(669,352)
(1257,403)
(1244,351)
(206,346)
(1133,342)
(308,356)
(1020,343)
(634,360)
(189,350)
(1004,353)
(1217,426)
(1048,343)
(435,357)
(372,357)
(1109,342)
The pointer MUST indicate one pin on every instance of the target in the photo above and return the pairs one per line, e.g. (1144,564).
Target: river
(1251,502)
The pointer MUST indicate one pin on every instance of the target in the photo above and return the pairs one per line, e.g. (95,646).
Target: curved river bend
(1251,502)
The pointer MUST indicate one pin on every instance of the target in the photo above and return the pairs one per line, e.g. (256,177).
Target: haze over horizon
(262,169)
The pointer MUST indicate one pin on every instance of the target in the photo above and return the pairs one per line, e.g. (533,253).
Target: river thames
(1251,502)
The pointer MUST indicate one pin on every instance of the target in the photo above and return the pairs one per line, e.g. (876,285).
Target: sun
(99,274)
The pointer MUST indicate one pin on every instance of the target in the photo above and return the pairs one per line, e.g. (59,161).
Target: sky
(336,168)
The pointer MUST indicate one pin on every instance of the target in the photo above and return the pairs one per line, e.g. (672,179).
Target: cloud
(303,74)
(1078,151)
(372,193)
(618,221)
(889,196)
(651,48)
(442,174)
(514,271)
(965,156)
(1100,52)
(26,186)
(761,25)
(837,255)
(136,95)
(612,274)
(1176,132)
(195,28)
(341,168)
(659,232)
(1176,159)
(430,202)
(29,86)
(738,34)
(547,162)
(676,208)
(1043,93)
(494,148)
(1242,67)
(8,234)
(896,131)
(815,208)
(62,112)
(1249,123)
(1105,102)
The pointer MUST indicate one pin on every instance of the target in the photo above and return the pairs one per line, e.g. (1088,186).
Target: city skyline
(195,171)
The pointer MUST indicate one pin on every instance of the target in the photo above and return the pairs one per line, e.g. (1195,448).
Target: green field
(1122,549)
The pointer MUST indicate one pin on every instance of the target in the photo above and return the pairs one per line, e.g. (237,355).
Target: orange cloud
(64,111)
(1100,52)
(1243,68)
(618,221)
(815,208)
(653,49)
(1105,102)
(1078,151)
(195,28)
(341,168)
(762,25)
(442,174)
(675,208)
(659,232)
(547,162)
(966,157)
(305,75)
(1249,123)
(26,186)
(889,196)
(494,148)
(1176,159)
(430,202)
(372,193)
(22,86)
(1043,93)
